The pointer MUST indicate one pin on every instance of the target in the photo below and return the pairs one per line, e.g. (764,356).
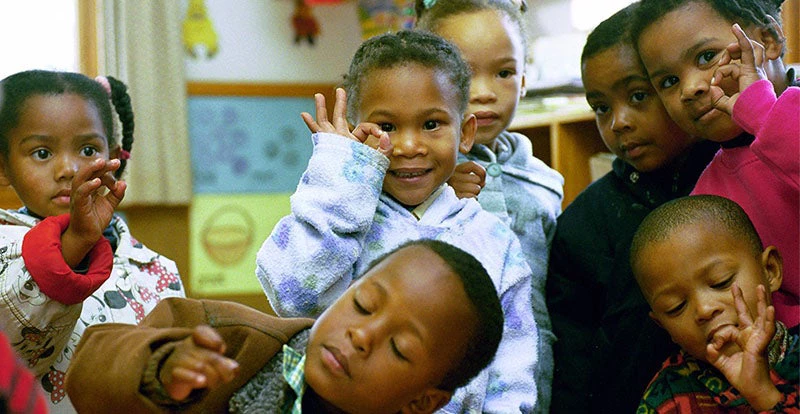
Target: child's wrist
(764,398)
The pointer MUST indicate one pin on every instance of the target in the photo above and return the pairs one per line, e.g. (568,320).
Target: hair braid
(124,109)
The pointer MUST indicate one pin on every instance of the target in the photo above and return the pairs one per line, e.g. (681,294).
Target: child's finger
(742,311)
(340,112)
(747,55)
(477,174)
(364,130)
(321,107)
(208,338)
(310,122)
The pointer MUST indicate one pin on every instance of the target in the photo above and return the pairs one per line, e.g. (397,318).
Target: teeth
(408,174)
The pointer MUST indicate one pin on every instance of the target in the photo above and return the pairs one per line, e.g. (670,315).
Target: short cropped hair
(674,214)
(744,12)
(480,290)
(404,48)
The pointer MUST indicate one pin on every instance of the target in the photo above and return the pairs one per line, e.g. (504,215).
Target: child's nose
(695,85)
(361,338)
(621,121)
(66,167)
(406,144)
(481,90)
(707,310)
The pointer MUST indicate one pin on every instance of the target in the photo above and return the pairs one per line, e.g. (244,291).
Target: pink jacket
(763,179)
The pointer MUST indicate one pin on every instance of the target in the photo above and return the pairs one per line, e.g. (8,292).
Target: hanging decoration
(382,16)
(305,25)
(199,37)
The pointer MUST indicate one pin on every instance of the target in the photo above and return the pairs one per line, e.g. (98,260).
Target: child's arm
(308,259)
(90,209)
(509,384)
(748,369)
(197,362)
(468,179)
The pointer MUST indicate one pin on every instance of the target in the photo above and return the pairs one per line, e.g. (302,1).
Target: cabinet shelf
(565,138)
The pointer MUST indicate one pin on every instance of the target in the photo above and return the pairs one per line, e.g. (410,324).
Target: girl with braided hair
(718,68)
(68,261)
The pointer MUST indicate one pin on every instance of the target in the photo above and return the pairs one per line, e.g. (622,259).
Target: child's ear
(653,317)
(427,402)
(468,129)
(773,39)
(3,178)
(773,267)
(114,152)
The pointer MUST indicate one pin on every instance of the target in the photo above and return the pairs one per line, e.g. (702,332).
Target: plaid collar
(295,376)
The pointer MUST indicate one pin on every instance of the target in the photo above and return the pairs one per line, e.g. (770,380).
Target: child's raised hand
(749,68)
(197,362)
(366,133)
(95,194)
(468,179)
(747,369)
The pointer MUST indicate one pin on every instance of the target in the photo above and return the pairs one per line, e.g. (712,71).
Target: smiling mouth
(409,174)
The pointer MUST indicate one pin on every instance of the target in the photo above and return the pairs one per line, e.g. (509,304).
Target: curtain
(140,44)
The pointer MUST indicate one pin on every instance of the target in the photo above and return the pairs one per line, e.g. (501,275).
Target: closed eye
(675,310)
(396,350)
(723,284)
(360,309)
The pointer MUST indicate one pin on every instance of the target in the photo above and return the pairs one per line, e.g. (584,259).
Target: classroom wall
(256,43)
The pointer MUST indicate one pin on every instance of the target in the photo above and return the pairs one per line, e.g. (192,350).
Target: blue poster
(248,144)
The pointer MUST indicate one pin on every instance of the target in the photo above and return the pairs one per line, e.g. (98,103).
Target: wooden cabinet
(565,139)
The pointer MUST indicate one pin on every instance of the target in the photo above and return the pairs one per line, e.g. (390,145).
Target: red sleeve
(19,391)
(41,251)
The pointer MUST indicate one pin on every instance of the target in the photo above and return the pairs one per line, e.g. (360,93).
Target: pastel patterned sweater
(526,194)
(44,331)
(341,222)
(764,179)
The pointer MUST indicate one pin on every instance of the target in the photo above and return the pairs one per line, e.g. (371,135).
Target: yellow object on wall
(199,37)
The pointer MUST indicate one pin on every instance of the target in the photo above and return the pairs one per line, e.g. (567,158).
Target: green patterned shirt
(294,373)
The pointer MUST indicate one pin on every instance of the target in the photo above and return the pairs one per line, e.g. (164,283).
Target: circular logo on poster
(228,234)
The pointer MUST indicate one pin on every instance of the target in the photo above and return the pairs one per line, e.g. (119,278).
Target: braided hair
(17,88)
(745,12)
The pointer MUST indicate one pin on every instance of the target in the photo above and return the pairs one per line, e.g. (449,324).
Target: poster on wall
(248,154)
(248,144)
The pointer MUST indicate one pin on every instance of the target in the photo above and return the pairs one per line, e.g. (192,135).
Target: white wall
(256,44)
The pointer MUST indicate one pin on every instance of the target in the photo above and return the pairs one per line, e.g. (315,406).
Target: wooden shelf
(565,139)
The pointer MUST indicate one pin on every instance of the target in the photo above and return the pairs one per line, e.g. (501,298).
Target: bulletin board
(249,148)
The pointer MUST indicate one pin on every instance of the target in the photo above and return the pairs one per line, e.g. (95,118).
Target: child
(354,203)
(520,189)
(757,166)
(703,270)
(599,314)
(390,343)
(68,261)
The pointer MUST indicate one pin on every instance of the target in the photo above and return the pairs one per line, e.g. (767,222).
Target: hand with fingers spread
(94,197)
(366,133)
(468,179)
(741,61)
(197,362)
(747,368)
